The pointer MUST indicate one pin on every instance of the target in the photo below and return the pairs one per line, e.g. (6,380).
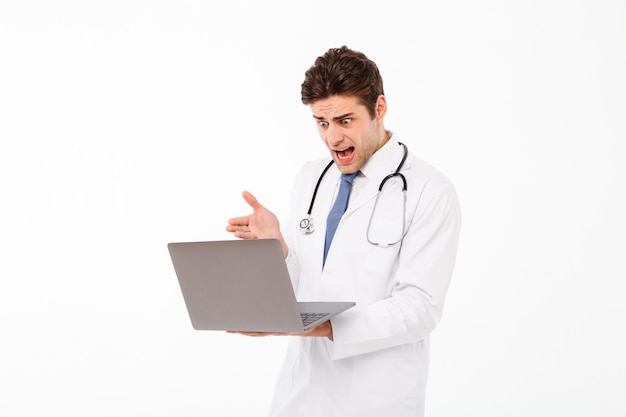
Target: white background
(128,124)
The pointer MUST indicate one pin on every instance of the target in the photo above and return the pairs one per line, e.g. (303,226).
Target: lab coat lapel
(379,166)
(368,193)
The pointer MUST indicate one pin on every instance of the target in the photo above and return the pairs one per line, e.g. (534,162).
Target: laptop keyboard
(308,318)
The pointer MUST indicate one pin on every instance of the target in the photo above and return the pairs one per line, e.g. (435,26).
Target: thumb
(251,200)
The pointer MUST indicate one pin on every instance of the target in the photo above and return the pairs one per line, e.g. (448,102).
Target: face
(348,131)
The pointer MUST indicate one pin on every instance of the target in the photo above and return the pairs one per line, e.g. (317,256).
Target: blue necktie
(341,203)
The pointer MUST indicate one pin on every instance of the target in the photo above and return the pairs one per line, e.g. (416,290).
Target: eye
(322,123)
(346,121)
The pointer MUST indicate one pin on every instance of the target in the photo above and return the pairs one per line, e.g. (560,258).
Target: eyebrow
(340,117)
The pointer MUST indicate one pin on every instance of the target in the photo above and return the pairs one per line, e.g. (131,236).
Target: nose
(334,135)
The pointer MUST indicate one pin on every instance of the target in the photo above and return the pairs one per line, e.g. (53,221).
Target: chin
(347,169)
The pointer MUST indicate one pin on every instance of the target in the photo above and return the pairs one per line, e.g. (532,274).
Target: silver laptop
(243,285)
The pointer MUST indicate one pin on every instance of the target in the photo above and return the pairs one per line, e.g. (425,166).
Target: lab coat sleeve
(419,283)
(293,267)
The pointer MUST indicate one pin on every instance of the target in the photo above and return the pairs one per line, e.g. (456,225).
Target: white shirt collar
(380,163)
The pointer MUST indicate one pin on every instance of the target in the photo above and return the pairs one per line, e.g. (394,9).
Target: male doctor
(393,255)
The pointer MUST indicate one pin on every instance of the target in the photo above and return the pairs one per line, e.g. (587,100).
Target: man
(393,256)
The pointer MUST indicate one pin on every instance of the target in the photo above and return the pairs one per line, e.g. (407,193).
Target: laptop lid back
(239,285)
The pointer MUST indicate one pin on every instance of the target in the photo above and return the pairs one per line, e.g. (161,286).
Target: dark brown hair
(342,71)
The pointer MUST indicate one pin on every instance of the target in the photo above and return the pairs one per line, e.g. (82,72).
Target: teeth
(344,153)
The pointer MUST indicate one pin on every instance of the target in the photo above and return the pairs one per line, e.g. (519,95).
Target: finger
(240,231)
(239,221)
(244,234)
(251,200)
(258,334)
(237,229)
(252,334)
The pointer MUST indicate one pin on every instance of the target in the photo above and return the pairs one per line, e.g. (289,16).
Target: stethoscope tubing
(306,224)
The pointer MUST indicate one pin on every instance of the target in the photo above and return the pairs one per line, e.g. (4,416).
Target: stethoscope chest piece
(306,225)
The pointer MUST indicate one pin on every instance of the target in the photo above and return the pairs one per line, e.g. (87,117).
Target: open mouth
(345,154)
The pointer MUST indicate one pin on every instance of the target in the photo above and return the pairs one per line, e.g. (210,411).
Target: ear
(381,108)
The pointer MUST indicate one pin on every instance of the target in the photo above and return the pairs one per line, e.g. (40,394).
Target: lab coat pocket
(286,381)
(387,382)
(379,259)
(376,278)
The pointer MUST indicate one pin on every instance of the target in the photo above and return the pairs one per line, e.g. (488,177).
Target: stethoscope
(306,224)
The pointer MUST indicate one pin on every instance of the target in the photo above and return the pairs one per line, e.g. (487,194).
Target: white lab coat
(377,364)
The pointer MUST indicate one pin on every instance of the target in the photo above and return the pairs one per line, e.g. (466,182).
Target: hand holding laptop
(321,330)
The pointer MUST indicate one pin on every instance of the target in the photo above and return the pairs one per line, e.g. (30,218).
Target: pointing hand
(261,224)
